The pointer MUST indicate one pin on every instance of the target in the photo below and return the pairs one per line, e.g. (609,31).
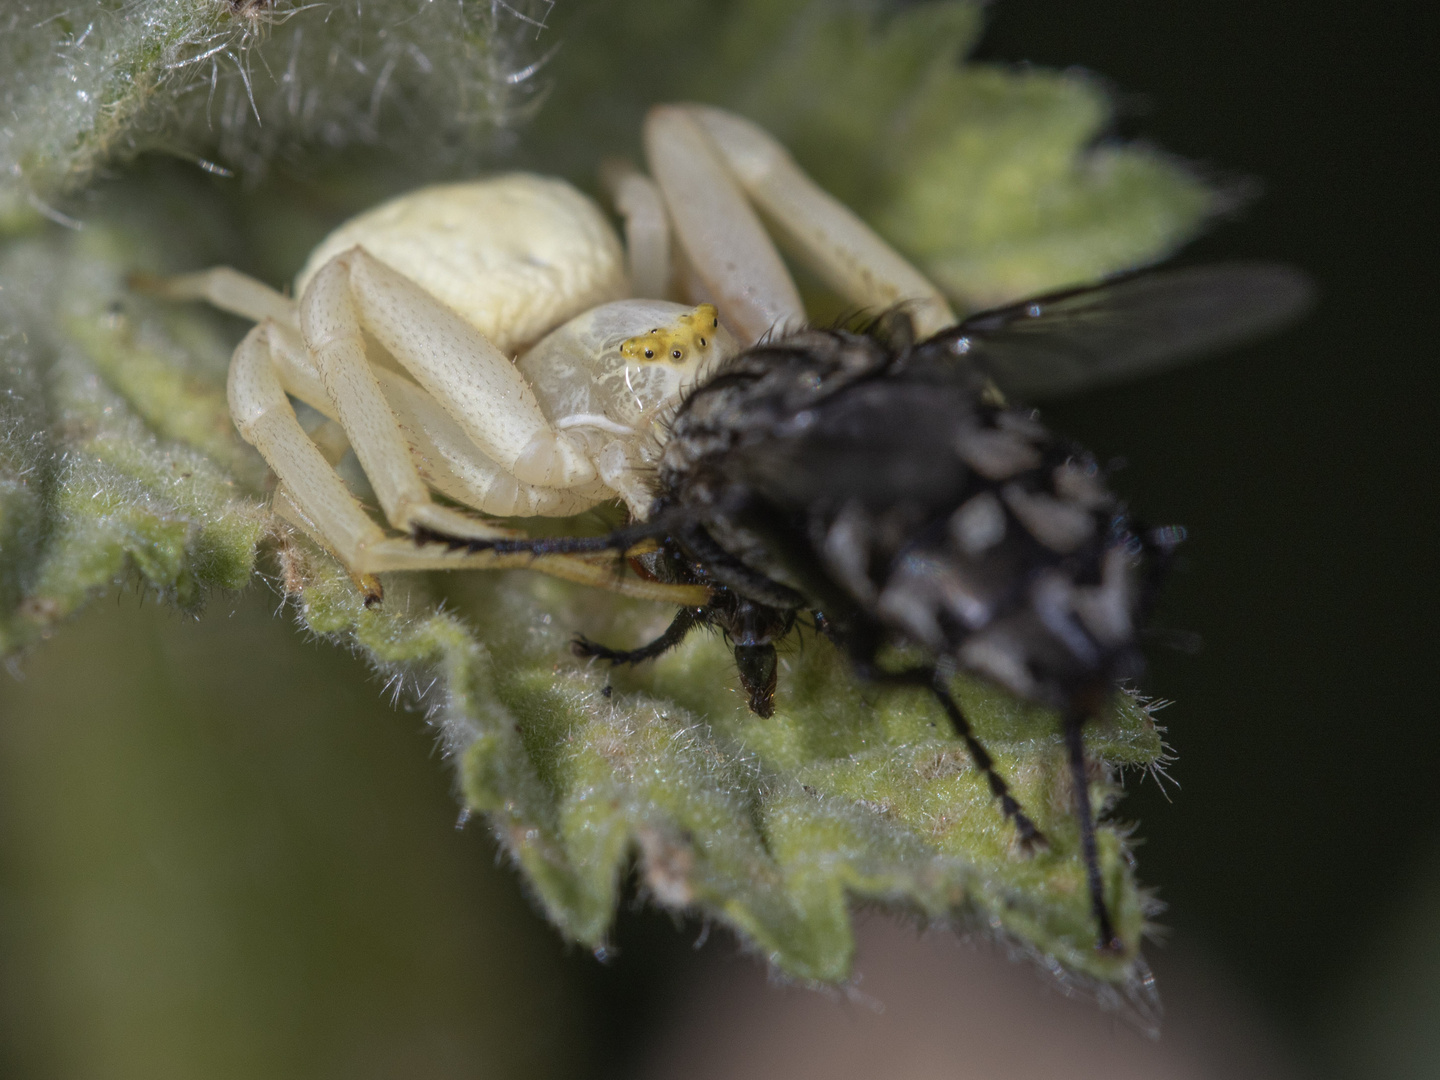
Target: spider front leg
(471,379)
(447,459)
(723,240)
(813,225)
(333,341)
(265,419)
(452,461)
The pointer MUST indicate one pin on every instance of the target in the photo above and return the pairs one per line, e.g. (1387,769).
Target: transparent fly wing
(1069,341)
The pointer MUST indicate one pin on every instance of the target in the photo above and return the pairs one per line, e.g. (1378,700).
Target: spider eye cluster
(690,333)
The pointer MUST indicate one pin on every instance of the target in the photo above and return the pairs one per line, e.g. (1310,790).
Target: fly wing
(1069,341)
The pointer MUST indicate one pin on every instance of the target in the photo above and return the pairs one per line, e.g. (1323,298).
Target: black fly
(891,492)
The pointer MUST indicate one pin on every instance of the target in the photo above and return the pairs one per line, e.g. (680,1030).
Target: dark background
(1304,469)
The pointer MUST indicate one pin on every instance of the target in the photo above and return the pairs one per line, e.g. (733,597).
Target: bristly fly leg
(934,680)
(620,540)
(1075,744)
(1030,835)
(685,621)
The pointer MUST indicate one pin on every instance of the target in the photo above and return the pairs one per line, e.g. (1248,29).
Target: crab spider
(407,319)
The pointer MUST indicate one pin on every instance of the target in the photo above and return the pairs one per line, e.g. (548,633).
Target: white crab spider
(408,317)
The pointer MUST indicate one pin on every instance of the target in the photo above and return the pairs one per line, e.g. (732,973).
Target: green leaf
(770,826)
(74,79)
(118,464)
(237,86)
(116,452)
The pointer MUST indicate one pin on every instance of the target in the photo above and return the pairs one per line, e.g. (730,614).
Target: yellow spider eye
(676,339)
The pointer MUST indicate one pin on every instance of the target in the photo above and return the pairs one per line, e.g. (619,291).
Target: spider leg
(686,619)
(382,553)
(622,470)
(450,462)
(334,343)
(588,560)
(315,498)
(456,364)
(321,502)
(267,421)
(721,236)
(1075,745)
(647,228)
(227,289)
(829,237)
(596,573)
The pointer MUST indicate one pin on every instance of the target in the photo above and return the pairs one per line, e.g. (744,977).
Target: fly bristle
(427,537)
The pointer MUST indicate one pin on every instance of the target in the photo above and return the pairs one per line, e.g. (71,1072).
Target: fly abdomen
(1019,569)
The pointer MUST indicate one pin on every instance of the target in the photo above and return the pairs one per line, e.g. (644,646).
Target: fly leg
(752,629)
(686,619)
(935,681)
(1030,835)
(1075,744)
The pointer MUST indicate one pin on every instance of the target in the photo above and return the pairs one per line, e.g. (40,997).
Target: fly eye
(676,354)
(649,354)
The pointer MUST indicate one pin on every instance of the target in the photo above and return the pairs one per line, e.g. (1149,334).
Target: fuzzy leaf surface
(771,826)
(118,461)
(238,86)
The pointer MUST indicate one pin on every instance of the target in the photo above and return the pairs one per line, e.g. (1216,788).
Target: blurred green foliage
(999,182)
(117,463)
(223,855)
